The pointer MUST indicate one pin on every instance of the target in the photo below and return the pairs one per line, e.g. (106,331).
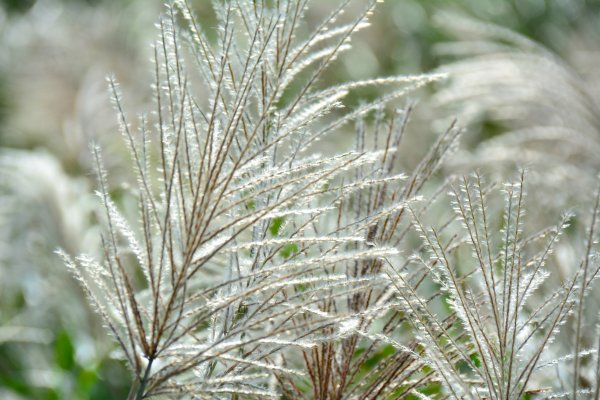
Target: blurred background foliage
(54,55)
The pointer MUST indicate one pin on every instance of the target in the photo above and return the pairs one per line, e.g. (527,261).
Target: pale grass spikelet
(500,76)
(242,255)
(258,268)
(507,319)
(273,236)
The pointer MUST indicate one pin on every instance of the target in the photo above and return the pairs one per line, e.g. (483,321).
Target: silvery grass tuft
(546,110)
(249,248)
(543,108)
(492,274)
(257,268)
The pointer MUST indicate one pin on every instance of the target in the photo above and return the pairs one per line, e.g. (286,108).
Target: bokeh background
(55,55)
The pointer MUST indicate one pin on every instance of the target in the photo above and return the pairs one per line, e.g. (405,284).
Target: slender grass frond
(242,253)
(493,290)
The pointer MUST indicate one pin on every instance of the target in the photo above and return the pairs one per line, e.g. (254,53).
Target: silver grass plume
(547,108)
(245,241)
(492,281)
(543,108)
(356,360)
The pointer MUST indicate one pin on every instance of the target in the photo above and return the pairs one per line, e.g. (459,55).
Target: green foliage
(276,225)
(17,5)
(64,351)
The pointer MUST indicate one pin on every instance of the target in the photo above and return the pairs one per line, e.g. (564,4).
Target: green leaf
(241,312)
(300,287)
(381,354)
(288,250)
(86,380)
(251,205)
(64,351)
(275,227)
(49,394)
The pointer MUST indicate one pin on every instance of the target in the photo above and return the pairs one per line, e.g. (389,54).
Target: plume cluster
(256,267)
